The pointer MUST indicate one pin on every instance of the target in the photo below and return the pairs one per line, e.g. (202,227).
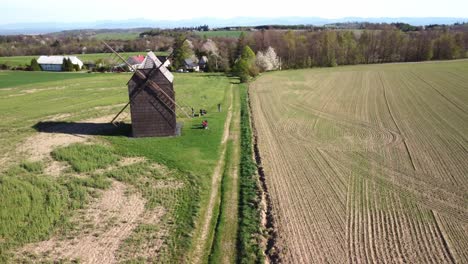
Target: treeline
(22,45)
(294,48)
(302,49)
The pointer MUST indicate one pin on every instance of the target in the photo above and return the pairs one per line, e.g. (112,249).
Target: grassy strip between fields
(250,233)
(226,187)
(224,243)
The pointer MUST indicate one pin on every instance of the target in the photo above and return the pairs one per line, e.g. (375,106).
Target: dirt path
(202,243)
(224,248)
(106,223)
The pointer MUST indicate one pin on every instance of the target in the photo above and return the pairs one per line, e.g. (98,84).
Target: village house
(137,61)
(190,65)
(203,63)
(54,63)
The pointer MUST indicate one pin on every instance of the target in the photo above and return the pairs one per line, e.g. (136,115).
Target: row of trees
(330,48)
(294,49)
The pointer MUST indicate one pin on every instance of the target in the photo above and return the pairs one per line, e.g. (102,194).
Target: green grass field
(117,36)
(26,60)
(39,206)
(221,33)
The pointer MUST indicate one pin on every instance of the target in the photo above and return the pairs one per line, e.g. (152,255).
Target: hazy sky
(16,11)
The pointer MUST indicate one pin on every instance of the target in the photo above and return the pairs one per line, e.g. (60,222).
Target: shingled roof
(152,60)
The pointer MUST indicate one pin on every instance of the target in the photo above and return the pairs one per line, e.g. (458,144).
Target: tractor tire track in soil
(364,164)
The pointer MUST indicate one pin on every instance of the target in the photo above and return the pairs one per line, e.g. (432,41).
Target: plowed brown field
(367,164)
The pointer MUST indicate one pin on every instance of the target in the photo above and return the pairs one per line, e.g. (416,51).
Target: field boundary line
(272,254)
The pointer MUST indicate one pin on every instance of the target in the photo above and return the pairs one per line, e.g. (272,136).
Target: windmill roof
(152,60)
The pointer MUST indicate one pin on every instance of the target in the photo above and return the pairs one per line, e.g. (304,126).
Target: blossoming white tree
(268,60)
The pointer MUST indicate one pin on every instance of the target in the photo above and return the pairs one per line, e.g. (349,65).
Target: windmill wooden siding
(153,114)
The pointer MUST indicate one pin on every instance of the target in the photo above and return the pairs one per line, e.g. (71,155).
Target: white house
(54,63)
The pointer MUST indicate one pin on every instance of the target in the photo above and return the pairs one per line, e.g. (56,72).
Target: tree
(210,49)
(241,43)
(268,60)
(35,66)
(67,65)
(245,65)
(182,50)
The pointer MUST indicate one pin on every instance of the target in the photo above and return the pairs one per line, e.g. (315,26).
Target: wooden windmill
(151,98)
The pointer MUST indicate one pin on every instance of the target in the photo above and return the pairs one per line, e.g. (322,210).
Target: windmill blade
(118,55)
(120,112)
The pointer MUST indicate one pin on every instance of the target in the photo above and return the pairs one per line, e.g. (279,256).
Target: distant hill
(42,28)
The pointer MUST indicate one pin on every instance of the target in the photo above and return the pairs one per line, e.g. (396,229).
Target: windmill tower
(152,108)
(151,99)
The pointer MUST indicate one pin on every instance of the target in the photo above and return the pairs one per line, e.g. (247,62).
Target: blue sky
(18,11)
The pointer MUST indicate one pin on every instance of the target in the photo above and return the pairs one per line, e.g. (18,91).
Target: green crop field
(141,198)
(221,33)
(92,57)
(117,36)
(368,163)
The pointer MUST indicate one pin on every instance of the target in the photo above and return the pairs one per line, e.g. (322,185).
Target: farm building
(54,63)
(152,99)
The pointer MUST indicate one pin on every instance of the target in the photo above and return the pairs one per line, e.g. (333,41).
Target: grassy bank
(249,235)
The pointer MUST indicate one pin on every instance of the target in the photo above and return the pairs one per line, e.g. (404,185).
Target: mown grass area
(92,57)
(190,158)
(221,229)
(9,80)
(223,249)
(249,234)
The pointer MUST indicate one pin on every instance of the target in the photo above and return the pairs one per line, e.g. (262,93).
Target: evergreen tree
(241,43)
(182,51)
(64,64)
(35,66)
(70,67)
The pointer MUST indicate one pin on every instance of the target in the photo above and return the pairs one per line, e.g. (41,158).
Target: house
(137,61)
(54,63)
(190,65)
(203,62)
